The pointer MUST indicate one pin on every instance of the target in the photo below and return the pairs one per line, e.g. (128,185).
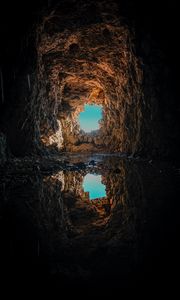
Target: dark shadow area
(55,57)
(52,232)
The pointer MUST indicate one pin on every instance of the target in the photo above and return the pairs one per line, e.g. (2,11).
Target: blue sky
(92,184)
(89,118)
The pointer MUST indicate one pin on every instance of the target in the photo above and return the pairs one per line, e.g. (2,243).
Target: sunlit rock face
(87,55)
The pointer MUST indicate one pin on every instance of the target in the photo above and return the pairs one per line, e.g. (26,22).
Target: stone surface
(96,52)
(93,64)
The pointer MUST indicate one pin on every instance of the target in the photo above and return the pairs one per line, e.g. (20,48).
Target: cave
(89,132)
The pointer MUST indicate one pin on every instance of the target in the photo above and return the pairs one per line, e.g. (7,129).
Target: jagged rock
(92,64)
(98,56)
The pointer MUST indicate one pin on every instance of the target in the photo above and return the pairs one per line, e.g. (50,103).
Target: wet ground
(52,231)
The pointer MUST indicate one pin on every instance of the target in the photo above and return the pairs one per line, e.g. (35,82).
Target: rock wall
(80,53)
(92,62)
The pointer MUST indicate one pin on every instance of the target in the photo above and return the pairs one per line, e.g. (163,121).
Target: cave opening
(69,57)
(89,119)
(101,59)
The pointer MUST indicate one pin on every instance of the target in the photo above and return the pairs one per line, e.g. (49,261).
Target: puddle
(92,184)
(87,223)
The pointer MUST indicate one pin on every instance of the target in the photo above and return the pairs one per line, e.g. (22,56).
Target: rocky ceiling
(91,60)
(82,52)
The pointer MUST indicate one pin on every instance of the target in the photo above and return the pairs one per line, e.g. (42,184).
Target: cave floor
(51,230)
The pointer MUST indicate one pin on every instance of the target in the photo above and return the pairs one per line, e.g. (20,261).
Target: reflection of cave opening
(90,117)
(92,184)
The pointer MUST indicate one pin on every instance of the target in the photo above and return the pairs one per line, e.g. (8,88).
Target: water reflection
(80,235)
(92,184)
(99,236)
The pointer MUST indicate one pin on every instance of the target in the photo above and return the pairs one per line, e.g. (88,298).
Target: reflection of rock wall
(73,182)
(123,207)
(124,188)
(75,236)
(52,206)
(116,228)
(46,220)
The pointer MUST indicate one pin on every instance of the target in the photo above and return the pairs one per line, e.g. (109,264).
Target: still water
(92,183)
(113,223)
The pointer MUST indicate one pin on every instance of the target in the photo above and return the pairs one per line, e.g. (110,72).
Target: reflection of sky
(92,184)
(89,118)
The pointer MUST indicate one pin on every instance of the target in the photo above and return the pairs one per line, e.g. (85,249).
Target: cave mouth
(89,118)
(92,183)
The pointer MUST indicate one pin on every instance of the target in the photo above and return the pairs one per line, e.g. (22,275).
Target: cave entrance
(90,117)
(92,183)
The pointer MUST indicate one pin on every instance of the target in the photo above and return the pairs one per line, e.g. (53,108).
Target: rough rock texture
(92,62)
(93,52)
